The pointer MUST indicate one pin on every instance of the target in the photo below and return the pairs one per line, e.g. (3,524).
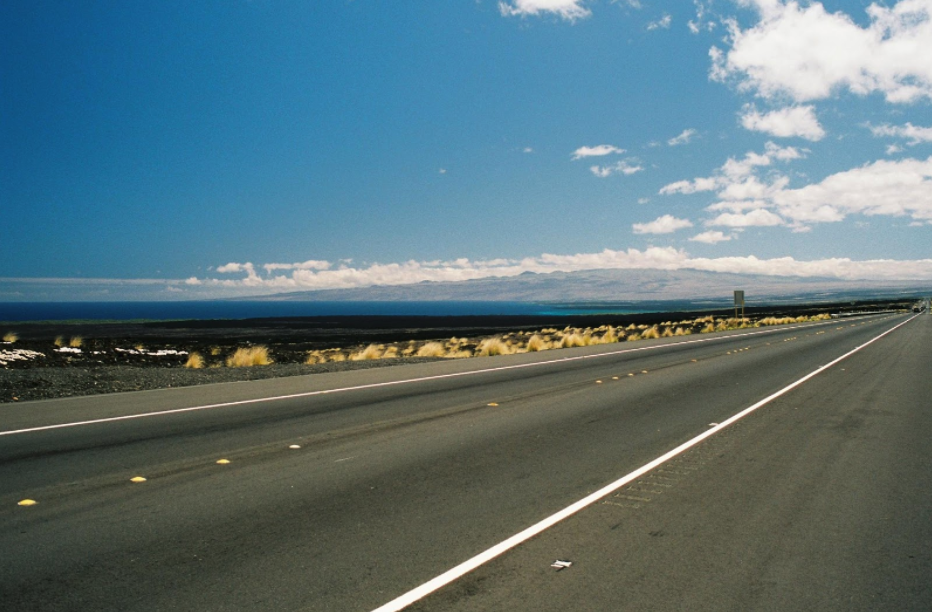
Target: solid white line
(399,382)
(484,557)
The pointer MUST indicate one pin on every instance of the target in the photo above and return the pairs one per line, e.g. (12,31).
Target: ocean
(229,309)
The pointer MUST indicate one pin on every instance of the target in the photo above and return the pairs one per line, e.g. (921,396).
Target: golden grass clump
(76,342)
(194,362)
(59,341)
(667,333)
(708,329)
(682,332)
(650,333)
(314,357)
(390,353)
(249,357)
(10,337)
(373,351)
(535,343)
(633,337)
(575,339)
(491,347)
(609,337)
(432,349)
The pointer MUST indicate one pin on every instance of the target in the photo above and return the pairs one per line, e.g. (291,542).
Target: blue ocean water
(203,310)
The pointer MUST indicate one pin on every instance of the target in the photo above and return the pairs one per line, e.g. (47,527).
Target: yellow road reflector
(295,446)
(598,382)
(695,361)
(137,479)
(493,404)
(643,371)
(630,373)
(614,378)
(27,502)
(223,461)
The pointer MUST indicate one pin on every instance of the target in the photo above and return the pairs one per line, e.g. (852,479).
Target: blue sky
(198,149)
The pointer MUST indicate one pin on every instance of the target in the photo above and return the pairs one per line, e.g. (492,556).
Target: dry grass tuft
(59,341)
(76,342)
(491,347)
(10,337)
(390,353)
(373,351)
(574,339)
(432,349)
(249,357)
(314,357)
(195,361)
(682,332)
(667,333)
(633,337)
(536,343)
(650,333)
(708,329)
(609,337)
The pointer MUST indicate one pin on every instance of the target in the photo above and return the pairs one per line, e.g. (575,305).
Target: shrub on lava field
(493,346)
(650,333)
(536,343)
(248,357)
(432,349)
(10,337)
(373,351)
(195,361)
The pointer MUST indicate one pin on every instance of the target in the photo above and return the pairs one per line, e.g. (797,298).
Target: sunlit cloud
(794,51)
(596,151)
(667,224)
(798,121)
(565,9)
(711,237)
(626,167)
(684,138)
(913,134)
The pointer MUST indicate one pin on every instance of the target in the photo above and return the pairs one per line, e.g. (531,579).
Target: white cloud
(914,134)
(311,264)
(626,167)
(736,174)
(662,23)
(710,237)
(807,53)
(892,188)
(596,151)
(785,123)
(687,187)
(756,218)
(565,9)
(684,138)
(663,258)
(667,224)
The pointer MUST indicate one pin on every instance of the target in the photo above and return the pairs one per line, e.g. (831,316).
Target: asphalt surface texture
(817,500)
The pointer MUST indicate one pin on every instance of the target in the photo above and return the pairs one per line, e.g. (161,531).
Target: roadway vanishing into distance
(348,491)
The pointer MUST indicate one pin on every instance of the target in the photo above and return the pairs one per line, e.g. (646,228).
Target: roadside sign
(739,301)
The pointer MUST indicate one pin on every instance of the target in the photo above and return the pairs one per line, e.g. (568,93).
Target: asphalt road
(819,499)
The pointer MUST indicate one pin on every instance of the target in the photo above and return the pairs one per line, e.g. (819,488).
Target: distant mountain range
(619,286)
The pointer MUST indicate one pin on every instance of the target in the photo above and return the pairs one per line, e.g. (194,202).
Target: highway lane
(391,485)
(821,501)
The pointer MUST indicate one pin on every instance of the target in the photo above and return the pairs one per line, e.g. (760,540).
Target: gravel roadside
(20,385)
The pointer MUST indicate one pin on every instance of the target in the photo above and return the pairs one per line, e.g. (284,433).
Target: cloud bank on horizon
(774,137)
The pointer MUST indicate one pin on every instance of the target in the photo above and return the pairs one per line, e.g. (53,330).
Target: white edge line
(400,382)
(464,568)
